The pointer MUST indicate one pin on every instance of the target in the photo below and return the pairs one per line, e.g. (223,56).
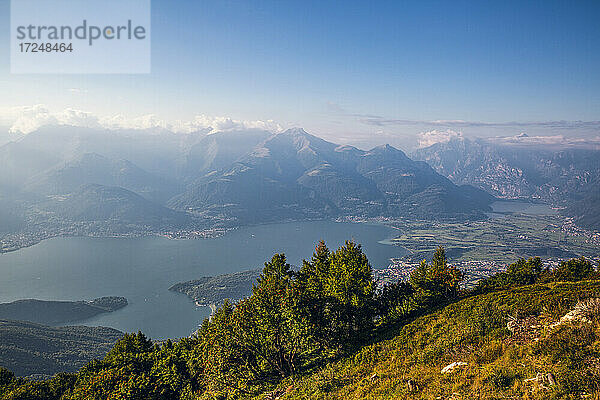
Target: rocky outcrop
(448,369)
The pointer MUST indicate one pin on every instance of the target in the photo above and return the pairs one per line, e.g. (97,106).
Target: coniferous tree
(350,291)
(270,325)
(315,272)
(395,301)
(312,280)
(436,281)
(219,364)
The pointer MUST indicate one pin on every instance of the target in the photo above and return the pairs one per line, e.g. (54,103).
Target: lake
(501,208)
(142,269)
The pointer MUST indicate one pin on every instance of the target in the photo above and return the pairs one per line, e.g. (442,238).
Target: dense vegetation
(325,331)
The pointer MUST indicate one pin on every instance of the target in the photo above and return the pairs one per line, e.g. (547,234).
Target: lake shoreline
(29,239)
(209,233)
(215,231)
(143,268)
(59,312)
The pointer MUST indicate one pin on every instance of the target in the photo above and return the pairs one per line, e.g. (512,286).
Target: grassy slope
(474,331)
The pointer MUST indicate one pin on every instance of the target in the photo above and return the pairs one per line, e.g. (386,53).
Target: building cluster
(400,270)
(569,228)
(195,234)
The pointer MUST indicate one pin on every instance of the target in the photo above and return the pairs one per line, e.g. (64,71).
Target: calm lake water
(501,208)
(142,269)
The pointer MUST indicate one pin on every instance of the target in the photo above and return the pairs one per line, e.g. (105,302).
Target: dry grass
(538,364)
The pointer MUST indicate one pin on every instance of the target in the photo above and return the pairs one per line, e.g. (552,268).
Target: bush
(574,270)
(500,377)
(6,376)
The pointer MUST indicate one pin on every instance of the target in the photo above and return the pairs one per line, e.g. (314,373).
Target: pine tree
(350,292)
(270,324)
(436,281)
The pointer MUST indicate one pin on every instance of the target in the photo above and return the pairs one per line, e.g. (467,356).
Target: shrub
(437,281)
(575,269)
(6,376)
(500,377)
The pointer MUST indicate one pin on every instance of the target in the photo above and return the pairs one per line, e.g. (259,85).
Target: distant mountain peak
(294,174)
(295,131)
(301,141)
(385,149)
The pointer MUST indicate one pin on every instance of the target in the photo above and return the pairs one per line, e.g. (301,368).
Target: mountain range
(565,178)
(68,180)
(298,175)
(75,180)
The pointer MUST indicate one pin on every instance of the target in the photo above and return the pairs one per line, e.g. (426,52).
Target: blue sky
(355,72)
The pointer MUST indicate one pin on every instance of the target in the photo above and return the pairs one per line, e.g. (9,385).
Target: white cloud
(222,124)
(149,121)
(78,91)
(459,123)
(523,139)
(29,118)
(429,138)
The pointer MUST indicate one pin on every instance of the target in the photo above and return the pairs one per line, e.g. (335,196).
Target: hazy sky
(357,72)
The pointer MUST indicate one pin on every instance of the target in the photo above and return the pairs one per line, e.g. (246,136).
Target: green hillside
(499,363)
(326,331)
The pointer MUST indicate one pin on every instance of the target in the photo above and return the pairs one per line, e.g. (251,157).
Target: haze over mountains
(297,175)
(65,180)
(561,177)
(76,180)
